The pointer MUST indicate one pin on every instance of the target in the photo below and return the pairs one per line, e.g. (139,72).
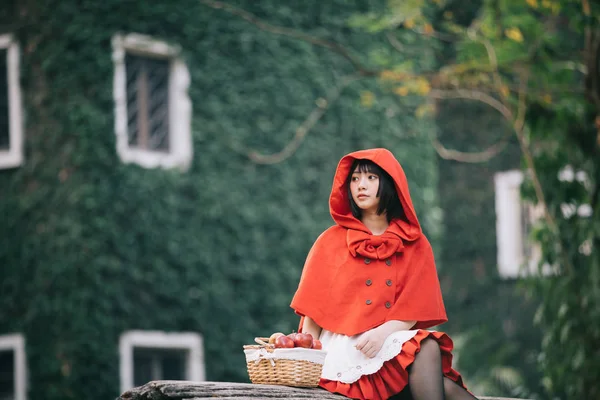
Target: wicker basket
(297,367)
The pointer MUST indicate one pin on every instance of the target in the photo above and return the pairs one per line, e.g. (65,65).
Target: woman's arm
(389,327)
(310,326)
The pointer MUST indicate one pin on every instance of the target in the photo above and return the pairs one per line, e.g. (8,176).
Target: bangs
(366,166)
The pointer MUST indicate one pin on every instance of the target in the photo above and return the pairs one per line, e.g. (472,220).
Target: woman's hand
(370,342)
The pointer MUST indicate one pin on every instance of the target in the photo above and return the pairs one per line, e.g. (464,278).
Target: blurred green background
(93,247)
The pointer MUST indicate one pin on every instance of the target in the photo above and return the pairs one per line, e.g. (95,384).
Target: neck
(377,224)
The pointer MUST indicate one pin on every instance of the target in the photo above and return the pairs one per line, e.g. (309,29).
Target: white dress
(344,363)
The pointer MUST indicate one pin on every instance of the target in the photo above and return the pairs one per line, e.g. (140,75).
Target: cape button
(368,302)
(369,282)
(367,261)
(388,282)
(388,304)
(388,262)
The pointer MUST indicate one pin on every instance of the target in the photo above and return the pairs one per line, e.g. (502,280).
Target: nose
(362,182)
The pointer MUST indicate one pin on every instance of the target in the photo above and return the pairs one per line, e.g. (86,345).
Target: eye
(354,178)
(373,177)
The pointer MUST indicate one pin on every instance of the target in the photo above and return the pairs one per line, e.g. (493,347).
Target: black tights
(425,378)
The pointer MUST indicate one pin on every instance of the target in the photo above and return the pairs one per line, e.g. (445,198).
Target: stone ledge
(187,390)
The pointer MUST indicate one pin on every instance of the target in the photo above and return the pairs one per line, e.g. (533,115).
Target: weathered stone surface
(186,390)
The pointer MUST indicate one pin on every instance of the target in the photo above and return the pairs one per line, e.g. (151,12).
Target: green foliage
(569,313)
(535,62)
(564,138)
(93,248)
(540,48)
(489,319)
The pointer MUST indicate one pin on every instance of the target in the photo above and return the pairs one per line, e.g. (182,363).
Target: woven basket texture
(281,371)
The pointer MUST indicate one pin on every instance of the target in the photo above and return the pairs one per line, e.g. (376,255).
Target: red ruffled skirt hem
(392,378)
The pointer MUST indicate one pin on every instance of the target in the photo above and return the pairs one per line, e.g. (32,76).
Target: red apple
(303,340)
(292,335)
(284,342)
(316,344)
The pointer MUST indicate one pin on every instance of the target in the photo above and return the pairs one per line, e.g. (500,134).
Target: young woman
(369,290)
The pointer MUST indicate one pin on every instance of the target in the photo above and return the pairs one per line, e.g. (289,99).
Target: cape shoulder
(319,270)
(330,244)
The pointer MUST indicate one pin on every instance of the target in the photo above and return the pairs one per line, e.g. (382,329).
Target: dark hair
(388,196)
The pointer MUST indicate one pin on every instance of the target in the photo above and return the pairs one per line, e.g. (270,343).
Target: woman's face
(364,187)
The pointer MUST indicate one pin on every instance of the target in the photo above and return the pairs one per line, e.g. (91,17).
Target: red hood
(339,205)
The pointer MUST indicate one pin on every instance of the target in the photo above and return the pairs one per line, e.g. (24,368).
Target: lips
(362,196)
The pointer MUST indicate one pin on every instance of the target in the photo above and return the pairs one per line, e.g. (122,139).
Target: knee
(430,348)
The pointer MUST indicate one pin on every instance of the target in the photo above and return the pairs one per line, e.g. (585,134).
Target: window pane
(4,136)
(142,366)
(147,102)
(7,377)
(173,366)
(150,364)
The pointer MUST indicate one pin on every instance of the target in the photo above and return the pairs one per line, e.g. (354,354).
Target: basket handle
(262,341)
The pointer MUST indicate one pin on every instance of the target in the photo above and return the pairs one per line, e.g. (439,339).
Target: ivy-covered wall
(92,247)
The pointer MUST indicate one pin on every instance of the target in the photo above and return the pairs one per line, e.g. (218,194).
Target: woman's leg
(455,392)
(425,373)
(426,380)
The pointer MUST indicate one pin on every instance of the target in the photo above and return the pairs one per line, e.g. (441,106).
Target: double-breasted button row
(387,303)
(388,261)
(369,282)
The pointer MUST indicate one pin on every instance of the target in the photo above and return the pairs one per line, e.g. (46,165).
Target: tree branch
(470,157)
(395,43)
(475,95)
(519,125)
(301,132)
(446,37)
(482,97)
(491,52)
(519,122)
(278,30)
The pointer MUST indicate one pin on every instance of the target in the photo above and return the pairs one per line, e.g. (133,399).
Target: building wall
(93,247)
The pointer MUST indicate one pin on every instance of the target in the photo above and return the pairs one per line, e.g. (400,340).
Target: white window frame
(16,343)
(512,261)
(180,107)
(190,341)
(511,258)
(13,157)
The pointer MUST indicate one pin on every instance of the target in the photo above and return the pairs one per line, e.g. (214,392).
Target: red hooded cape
(353,280)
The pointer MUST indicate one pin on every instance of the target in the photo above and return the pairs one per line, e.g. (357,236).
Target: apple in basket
(274,337)
(292,335)
(317,345)
(303,340)
(284,342)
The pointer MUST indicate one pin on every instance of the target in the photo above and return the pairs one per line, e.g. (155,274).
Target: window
(12,367)
(152,355)
(152,107)
(11,125)
(517,255)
